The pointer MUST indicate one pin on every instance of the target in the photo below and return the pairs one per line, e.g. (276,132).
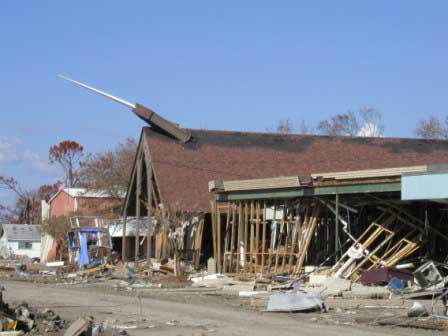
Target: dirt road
(177,313)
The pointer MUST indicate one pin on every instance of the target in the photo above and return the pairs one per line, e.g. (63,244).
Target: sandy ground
(160,312)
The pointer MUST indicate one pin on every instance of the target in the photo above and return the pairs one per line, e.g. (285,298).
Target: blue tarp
(83,257)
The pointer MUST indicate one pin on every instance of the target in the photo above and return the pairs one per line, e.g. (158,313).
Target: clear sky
(239,65)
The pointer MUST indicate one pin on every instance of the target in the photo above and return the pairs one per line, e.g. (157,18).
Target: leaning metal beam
(104,94)
(144,113)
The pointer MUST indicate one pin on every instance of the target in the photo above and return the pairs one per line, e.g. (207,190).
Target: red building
(69,201)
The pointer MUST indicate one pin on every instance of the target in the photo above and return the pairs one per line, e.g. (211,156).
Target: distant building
(20,239)
(81,201)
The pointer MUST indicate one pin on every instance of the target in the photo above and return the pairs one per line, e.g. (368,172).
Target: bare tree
(25,210)
(68,155)
(177,223)
(372,122)
(285,126)
(305,128)
(432,128)
(28,202)
(340,124)
(368,122)
(110,170)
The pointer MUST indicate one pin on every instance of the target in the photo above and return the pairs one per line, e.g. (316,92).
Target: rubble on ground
(25,320)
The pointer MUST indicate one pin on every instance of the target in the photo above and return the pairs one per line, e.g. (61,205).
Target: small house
(20,240)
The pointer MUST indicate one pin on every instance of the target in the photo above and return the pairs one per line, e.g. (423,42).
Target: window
(25,246)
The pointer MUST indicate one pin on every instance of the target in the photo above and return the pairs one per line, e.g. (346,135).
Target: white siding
(34,252)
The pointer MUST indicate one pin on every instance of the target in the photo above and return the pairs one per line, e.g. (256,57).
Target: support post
(138,195)
(123,240)
(336,230)
(149,214)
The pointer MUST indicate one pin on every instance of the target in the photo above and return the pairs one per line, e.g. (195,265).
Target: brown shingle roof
(184,170)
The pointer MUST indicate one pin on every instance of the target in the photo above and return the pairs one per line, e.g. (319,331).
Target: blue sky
(205,64)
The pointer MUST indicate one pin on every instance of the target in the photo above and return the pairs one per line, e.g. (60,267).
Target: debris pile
(23,320)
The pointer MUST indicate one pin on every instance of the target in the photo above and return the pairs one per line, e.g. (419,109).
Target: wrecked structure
(273,210)
(180,172)
(354,221)
(88,241)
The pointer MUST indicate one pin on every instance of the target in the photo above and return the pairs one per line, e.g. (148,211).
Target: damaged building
(355,221)
(257,208)
(273,203)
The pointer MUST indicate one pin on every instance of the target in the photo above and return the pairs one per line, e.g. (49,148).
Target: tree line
(366,122)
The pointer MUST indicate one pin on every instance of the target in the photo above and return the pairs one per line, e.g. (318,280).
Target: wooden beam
(252,237)
(257,234)
(246,236)
(149,213)
(297,227)
(123,241)
(138,200)
(218,238)
(271,243)
(214,228)
(232,238)
(238,246)
(263,240)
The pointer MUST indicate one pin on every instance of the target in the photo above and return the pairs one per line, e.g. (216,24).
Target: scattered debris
(295,302)
(417,310)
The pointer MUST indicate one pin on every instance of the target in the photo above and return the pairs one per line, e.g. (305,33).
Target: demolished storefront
(353,221)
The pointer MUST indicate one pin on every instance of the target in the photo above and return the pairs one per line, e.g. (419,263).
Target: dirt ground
(183,312)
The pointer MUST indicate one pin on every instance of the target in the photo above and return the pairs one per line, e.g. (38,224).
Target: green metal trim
(306,192)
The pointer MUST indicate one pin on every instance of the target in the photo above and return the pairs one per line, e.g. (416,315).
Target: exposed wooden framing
(240,220)
(371,256)
(297,227)
(246,237)
(232,237)
(257,235)
(271,247)
(307,239)
(149,213)
(218,261)
(300,236)
(263,241)
(285,250)
(252,238)
(138,201)
(213,220)
(277,252)
(226,239)
(371,234)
